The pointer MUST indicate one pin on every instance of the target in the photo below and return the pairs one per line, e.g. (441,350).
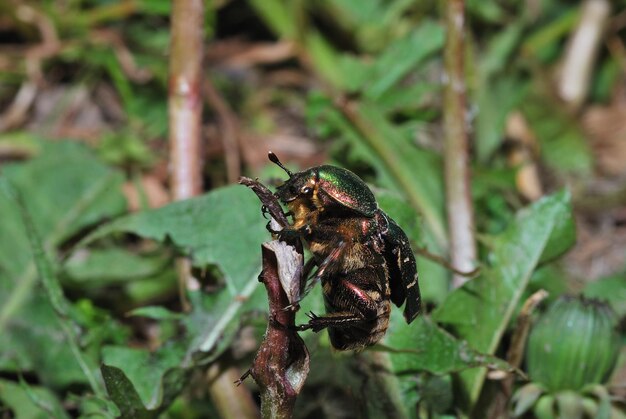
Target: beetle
(364,259)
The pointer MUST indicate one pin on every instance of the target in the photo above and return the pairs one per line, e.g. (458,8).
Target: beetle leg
(317,323)
(269,228)
(362,307)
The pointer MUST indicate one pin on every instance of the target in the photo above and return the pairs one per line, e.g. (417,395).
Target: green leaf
(155,312)
(124,395)
(402,56)
(156,378)
(223,228)
(611,289)
(28,402)
(64,189)
(52,288)
(480,311)
(563,144)
(101,267)
(496,97)
(407,97)
(424,346)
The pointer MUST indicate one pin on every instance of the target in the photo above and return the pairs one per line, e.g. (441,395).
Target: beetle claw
(264,211)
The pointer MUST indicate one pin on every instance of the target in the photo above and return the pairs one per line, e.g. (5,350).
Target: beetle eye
(306,190)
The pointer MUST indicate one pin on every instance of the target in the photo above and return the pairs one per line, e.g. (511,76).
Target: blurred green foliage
(89,310)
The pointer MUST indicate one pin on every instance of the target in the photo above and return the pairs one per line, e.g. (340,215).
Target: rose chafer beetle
(364,259)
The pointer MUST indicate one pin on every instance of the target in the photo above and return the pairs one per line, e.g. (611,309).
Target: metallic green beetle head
(341,185)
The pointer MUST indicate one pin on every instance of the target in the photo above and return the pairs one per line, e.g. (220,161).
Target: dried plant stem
(235,400)
(458,197)
(185,112)
(580,55)
(281,364)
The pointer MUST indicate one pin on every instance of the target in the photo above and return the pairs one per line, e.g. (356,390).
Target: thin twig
(457,177)
(423,251)
(185,113)
(267,199)
(16,112)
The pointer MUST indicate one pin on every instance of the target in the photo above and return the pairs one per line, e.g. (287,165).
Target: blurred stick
(581,52)
(237,403)
(457,177)
(185,112)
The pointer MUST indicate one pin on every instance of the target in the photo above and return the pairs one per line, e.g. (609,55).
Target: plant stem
(235,401)
(281,364)
(458,196)
(581,53)
(185,112)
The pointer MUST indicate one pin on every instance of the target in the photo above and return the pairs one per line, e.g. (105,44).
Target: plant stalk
(185,113)
(281,364)
(456,155)
(235,400)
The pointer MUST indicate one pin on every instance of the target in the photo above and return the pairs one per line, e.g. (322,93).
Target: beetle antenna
(274,159)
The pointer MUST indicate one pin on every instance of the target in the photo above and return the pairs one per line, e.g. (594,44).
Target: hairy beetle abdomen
(363,293)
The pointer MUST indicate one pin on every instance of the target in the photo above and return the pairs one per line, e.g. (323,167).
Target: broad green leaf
(124,395)
(30,402)
(223,228)
(65,189)
(611,289)
(52,288)
(424,346)
(156,378)
(101,267)
(480,311)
